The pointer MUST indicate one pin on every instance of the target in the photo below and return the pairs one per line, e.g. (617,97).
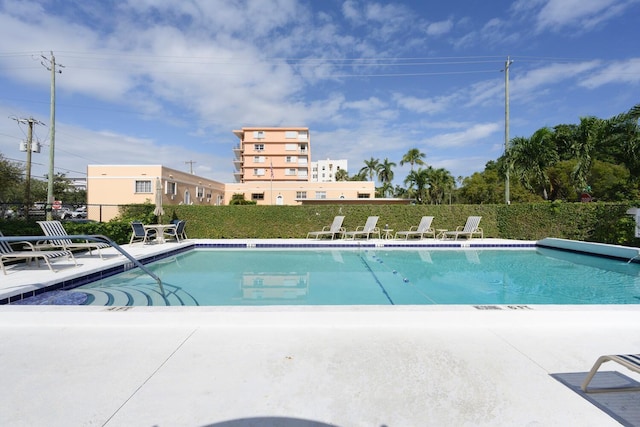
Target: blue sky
(166,82)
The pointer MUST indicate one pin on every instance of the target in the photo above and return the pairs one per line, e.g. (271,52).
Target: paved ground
(342,366)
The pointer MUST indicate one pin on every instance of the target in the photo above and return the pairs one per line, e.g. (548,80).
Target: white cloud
(581,14)
(463,138)
(423,105)
(616,72)
(439,28)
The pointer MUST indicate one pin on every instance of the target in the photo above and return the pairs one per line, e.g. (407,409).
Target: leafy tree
(11,181)
(370,168)
(414,157)
(609,182)
(238,199)
(488,187)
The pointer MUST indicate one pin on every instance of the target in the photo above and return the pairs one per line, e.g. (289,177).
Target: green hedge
(595,222)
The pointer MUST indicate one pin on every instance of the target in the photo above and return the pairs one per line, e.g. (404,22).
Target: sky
(166,82)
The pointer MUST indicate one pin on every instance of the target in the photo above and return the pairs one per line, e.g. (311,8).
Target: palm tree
(588,133)
(530,159)
(624,133)
(385,171)
(342,175)
(419,179)
(441,182)
(370,168)
(414,157)
(385,189)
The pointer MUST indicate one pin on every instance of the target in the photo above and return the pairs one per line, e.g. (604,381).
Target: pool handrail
(93,237)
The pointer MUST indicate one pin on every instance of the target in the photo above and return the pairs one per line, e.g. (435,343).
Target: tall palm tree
(371,168)
(385,171)
(414,157)
(419,179)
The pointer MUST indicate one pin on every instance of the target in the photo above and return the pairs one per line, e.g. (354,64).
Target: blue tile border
(363,244)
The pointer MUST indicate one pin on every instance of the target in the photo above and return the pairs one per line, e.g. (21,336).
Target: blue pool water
(248,277)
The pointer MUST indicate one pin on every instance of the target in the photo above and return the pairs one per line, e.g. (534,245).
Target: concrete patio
(301,366)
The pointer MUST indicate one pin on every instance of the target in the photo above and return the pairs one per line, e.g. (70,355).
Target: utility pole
(52,129)
(190,163)
(29,149)
(507,64)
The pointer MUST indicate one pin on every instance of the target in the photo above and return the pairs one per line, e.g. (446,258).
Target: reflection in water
(275,286)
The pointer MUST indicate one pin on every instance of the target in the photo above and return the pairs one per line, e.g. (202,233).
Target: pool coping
(96,269)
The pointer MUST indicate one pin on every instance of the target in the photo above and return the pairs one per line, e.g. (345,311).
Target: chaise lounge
(55,228)
(469,229)
(7,253)
(369,229)
(424,228)
(629,361)
(333,230)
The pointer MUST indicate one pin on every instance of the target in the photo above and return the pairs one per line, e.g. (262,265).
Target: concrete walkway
(362,366)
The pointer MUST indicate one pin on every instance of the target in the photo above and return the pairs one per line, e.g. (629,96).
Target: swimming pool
(380,276)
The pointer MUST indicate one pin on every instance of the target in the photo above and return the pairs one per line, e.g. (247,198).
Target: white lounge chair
(629,361)
(55,228)
(369,229)
(469,229)
(7,253)
(424,228)
(332,230)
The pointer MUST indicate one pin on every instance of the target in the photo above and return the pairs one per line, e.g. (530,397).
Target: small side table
(387,233)
(441,233)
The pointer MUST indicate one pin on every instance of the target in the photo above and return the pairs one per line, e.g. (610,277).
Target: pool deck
(299,366)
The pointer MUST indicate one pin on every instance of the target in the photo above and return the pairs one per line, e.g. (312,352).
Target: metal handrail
(93,237)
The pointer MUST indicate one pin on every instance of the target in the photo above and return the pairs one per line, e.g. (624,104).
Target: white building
(325,170)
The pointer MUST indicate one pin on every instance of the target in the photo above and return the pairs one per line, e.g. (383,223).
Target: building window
(143,186)
(291,147)
(259,134)
(258,147)
(321,194)
(200,192)
(303,148)
(257,196)
(291,159)
(302,172)
(301,194)
(290,172)
(258,172)
(291,134)
(363,195)
(303,136)
(259,159)
(171,188)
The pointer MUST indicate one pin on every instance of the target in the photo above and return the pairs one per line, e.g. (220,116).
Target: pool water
(246,277)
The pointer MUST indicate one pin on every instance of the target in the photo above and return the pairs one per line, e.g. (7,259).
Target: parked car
(79,213)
